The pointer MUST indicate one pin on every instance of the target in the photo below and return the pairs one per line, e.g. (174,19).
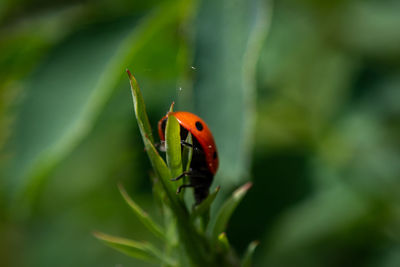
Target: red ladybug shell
(199,129)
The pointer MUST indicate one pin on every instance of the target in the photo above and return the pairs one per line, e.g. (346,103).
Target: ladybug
(204,162)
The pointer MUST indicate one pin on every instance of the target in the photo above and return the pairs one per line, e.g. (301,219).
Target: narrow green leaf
(202,210)
(171,232)
(227,209)
(140,109)
(139,250)
(173,146)
(164,175)
(157,162)
(159,166)
(195,244)
(248,256)
(223,242)
(187,153)
(204,206)
(142,215)
(158,191)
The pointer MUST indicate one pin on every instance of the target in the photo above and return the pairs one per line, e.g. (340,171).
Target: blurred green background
(303,97)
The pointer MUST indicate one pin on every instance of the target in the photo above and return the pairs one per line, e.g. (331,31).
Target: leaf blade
(161,169)
(140,250)
(202,210)
(227,209)
(173,146)
(140,109)
(187,152)
(142,215)
(248,255)
(223,242)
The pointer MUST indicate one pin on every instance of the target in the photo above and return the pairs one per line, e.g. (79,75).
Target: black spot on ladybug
(199,126)
(215,155)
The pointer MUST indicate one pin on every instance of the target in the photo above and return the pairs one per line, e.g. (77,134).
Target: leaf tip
(120,186)
(222,235)
(243,189)
(97,234)
(247,186)
(171,108)
(131,77)
(255,243)
(122,190)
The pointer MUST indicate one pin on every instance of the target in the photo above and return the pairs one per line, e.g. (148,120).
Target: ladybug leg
(181,176)
(183,186)
(192,173)
(186,144)
(195,149)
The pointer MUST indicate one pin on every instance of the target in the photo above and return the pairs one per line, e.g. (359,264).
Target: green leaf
(205,205)
(248,255)
(194,243)
(140,250)
(159,166)
(225,92)
(202,210)
(223,242)
(158,191)
(173,146)
(140,109)
(225,212)
(164,174)
(142,215)
(187,152)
